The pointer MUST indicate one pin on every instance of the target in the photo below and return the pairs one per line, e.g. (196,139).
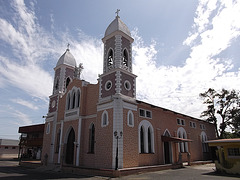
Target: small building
(8,148)
(31,141)
(228,155)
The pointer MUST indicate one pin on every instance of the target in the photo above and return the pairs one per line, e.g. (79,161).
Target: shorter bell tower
(64,74)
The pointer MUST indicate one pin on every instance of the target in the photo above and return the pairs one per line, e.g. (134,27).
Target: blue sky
(181,48)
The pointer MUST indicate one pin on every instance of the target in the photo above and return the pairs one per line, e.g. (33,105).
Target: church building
(103,125)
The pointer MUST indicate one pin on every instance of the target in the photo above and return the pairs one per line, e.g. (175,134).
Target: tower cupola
(67,59)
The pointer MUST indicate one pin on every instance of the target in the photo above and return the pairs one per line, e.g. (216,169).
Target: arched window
(180,144)
(56,84)
(125,58)
(73,100)
(68,101)
(91,138)
(167,133)
(142,140)
(183,146)
(204,144)
(68,80)
(78,98)
(104,119)
(110,58)
(130,119)
(146,137)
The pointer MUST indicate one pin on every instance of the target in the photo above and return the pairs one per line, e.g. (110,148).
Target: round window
(108,85)
(127,85)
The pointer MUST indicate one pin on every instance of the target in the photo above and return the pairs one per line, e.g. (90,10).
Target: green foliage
(225,105)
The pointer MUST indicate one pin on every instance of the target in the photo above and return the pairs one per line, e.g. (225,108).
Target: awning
(174,139)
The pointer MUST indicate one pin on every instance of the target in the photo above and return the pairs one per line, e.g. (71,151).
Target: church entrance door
(70,147)
(167,153)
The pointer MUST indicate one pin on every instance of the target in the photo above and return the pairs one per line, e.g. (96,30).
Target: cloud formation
(215,27)
(34,49)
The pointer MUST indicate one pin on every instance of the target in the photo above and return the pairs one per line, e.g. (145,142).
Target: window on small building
(233,151)
(202,126)
(13,147)
(6,147)
(125,58)
(181,122)
(110,58)
(91,138)
(178,121)
(148,114)
(142,113)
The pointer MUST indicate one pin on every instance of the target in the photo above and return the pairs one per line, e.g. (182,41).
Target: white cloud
(22,119)
(25,103)
(31,78)
(215,26)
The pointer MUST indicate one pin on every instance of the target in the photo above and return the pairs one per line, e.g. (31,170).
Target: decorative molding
(129,106)
(118,48)
(105,106)
(118,82)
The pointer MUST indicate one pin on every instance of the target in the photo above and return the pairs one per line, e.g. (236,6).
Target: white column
(60,142)
(117,126)
(78,141)
(53,139)
(118,49)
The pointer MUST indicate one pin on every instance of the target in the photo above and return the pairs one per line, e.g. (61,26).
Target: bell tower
(64,74)
(117,77)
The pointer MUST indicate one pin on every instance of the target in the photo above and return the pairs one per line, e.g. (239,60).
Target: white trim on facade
(105,106)
(130,119)
(104,119)
(146,125)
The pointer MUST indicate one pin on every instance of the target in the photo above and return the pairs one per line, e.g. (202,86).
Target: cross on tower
(68,46)
(117,12)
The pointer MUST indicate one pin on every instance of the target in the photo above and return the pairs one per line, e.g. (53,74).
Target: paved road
(10,170)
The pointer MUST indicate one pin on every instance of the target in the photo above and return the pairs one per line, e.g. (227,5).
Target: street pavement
(9,170)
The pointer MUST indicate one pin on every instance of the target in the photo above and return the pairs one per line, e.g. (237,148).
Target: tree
(223,106)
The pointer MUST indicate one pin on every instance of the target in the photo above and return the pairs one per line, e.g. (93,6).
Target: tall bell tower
(117,90)
(117,77)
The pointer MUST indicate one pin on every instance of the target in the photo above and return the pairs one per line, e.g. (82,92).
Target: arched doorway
(167,149)
(70,147)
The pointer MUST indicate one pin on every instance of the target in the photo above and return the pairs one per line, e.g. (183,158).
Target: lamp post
(117,137)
